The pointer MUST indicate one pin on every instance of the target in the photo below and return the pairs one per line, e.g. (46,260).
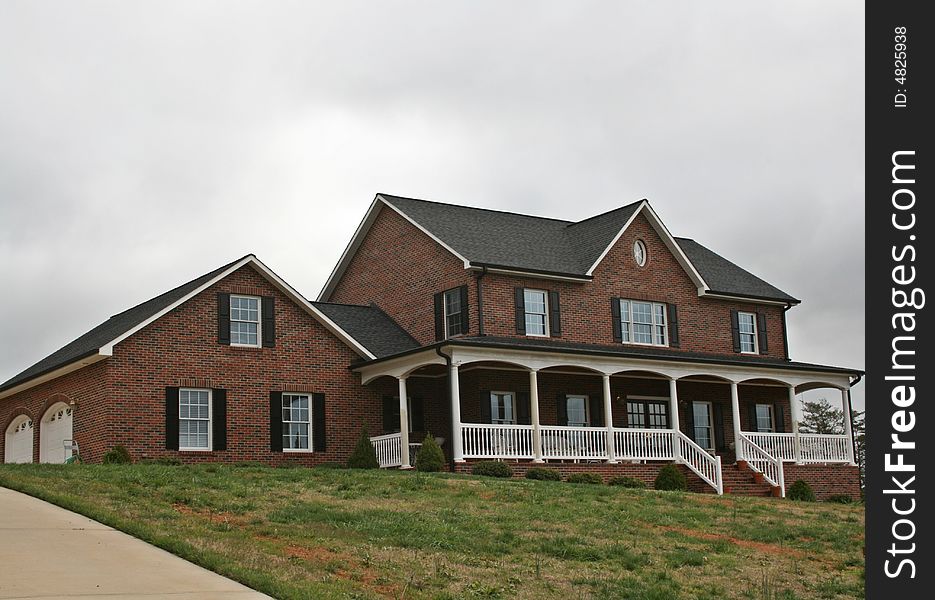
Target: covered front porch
(549,407)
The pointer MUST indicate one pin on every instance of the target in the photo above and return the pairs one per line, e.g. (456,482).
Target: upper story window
(194,419)
(748,335)
(245,321)
(451,313)
(643,322)
(296,422)
(764,418)
(537,312)
(639,252)
(453,308)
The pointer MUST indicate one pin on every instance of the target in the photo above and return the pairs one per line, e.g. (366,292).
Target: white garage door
(54,430)
(17,447)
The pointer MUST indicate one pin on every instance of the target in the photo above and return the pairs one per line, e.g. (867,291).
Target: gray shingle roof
(110,329)
(370,326)
(539,244)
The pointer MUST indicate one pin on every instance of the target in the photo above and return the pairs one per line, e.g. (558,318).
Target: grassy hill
(331,533)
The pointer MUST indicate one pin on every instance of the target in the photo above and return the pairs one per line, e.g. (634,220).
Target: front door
(703,420)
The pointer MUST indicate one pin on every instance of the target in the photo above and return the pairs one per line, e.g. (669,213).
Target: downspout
(480,303)
(785,332)
(451,454)
(850,413)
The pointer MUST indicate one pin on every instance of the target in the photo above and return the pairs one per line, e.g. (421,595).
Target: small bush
(840,499)
(430,457)
(329,465)
(627,482)
(364,455)
(800,490)
(165,462)
(118,455)
(492,468)
(670,478)
(592,478)
(543,474)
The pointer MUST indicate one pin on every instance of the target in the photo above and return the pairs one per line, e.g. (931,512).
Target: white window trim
(587,409)
(515,405)
(664,324)
(772,417)
(210,447)
(545,294)
(310,448)
(259,321)
(408,410)
(711,436)
(756,333)
(642,398)
(449,335)
(642,247)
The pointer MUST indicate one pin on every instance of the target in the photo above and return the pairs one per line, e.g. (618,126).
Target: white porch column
(403,425)
(735,414)
(457,449)
(534,415)
(674,418)
(609,421)
(794,413)
(846,409)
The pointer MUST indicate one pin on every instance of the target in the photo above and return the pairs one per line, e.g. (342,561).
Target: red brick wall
(825,480)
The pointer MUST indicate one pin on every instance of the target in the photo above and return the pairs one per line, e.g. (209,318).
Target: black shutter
(439,316)
(485,416)
(555,314)
(735,329)
(751,417)
(390,414)
(597,411)
(224,318)
(172,418)
(218,419)
(269,322)
(780,425)
(615,316)
(418,414)
(318,422)
(673,326)
(519,301)
(465,324)
(761,332)
(522,408)
(275,421)
(690,420)
(719,427)
(562,406)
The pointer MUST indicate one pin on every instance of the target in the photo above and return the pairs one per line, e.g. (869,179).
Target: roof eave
(86,359)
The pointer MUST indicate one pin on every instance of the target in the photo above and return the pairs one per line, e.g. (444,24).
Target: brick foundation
(825,480)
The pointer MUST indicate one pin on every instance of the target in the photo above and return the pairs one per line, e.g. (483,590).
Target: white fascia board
(63,370)
(532,275)
(667,239)
(351,249)
(466,262)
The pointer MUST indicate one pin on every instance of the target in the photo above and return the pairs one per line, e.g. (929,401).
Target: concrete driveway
(49,552)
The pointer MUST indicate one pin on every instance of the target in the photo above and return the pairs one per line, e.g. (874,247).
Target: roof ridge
(607,212)
(492,210)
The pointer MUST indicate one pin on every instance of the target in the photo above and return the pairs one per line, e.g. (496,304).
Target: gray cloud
(142,144)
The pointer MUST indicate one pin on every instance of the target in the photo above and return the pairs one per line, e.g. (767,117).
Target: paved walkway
(48,552)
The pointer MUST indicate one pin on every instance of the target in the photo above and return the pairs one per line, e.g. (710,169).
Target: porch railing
(701,461)
(573,443)
(643,444)
(763,462)
(813,447)
(388,450)
(496,441)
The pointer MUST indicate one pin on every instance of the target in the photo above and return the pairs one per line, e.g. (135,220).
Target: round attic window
(639,252)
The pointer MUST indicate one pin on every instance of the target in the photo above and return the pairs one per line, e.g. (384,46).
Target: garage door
(17,447)
(54,430)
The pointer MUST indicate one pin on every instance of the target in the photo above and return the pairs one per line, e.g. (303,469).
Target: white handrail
(762,462)
(631,443)
(573,443)
(387,448)
(700,461)
(496,440)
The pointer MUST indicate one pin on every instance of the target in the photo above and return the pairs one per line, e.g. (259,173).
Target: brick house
(606,345)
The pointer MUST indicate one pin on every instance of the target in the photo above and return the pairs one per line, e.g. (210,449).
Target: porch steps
(740,480)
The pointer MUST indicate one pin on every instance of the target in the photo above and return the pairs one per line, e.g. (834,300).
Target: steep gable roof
(98,343)
(552,247)
(370,326)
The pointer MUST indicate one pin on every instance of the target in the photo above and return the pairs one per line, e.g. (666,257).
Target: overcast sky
(144,144)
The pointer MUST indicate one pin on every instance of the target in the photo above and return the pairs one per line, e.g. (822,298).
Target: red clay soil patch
(351,570)
(758,546)
(223,518)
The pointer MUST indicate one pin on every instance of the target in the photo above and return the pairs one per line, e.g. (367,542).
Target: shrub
(249,464)
(670,478)
(839,499)
(492,468)
(118,455)
(543,474)
(800,490)
(627,482)
(430,456)
(165,462)
(592,478)
(364,455)
(329,465)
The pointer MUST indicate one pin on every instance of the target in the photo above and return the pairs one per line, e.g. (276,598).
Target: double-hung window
(453,308)
(502,408)
(764,418)
(245,321)
(748,335)
(643,322)
(194,419)
(296,422)
(577,411)
(537,312)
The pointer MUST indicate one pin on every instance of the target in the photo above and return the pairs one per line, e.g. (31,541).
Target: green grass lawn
(333,533)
